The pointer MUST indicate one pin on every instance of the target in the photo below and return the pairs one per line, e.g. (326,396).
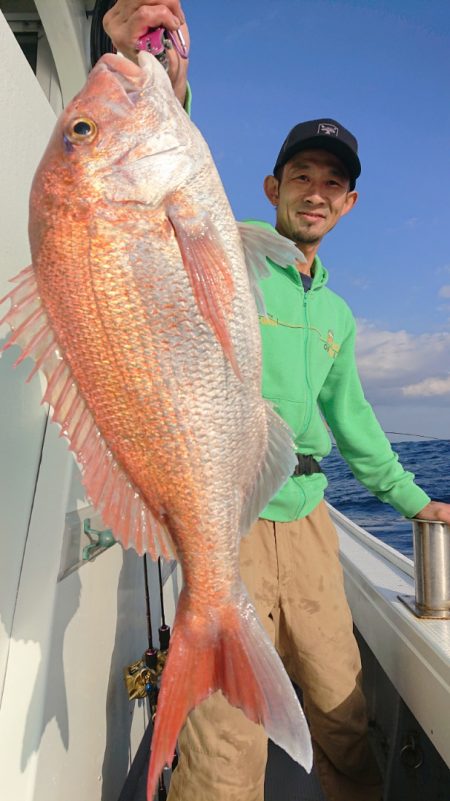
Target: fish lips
(131,78)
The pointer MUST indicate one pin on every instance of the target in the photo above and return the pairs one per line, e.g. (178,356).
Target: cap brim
(335,146)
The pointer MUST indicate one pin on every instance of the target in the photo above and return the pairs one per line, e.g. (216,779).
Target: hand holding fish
(128,20)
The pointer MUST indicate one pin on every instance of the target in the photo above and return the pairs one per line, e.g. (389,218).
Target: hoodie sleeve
(360,438)
(188,100)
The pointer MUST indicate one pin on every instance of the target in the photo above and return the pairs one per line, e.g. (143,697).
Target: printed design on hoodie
(329,344)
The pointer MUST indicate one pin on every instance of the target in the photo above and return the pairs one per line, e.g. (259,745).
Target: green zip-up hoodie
(310,375)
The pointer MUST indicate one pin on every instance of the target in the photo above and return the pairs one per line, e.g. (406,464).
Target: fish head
(124,138)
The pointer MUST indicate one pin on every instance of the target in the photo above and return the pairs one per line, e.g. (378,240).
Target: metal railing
(431,570)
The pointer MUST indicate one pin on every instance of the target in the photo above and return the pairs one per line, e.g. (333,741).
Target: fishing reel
(142,678)
(139,679)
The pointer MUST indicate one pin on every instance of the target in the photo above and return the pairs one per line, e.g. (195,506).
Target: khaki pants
(293,575)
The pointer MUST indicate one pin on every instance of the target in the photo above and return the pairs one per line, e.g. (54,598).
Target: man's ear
(350,201)
(271,188)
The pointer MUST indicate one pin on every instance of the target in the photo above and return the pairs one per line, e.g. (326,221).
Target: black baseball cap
(325,134)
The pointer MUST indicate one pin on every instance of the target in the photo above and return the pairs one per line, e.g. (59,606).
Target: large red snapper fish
(138,307)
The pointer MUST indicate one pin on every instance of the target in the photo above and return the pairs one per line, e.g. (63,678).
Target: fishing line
(422,436)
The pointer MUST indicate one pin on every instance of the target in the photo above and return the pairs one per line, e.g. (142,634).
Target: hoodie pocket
(292,412)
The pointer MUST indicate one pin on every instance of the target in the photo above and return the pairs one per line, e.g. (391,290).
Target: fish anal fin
(208,270)
(122,506)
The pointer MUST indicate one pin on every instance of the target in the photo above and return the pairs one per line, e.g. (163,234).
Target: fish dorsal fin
(122,507)
(277,465)
(209,272)
(260,244)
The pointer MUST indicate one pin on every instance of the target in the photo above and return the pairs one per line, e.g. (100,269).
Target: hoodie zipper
(308,412)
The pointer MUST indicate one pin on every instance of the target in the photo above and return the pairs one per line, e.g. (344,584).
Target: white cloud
(398,367)
(360,282)
(428,388)
(444,291)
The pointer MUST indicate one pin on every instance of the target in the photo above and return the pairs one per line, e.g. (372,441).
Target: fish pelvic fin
(260,244)
(122,507)
(234,654)
(275,468)
(208,271)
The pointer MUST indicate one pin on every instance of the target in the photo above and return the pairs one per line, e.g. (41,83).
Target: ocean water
(429,460)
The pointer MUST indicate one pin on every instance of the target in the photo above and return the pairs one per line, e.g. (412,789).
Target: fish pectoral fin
(209,273)
(260,244)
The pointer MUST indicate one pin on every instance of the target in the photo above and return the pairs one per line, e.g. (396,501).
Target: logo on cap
(328,129)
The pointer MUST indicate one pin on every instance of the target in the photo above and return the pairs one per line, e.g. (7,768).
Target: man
(289,561)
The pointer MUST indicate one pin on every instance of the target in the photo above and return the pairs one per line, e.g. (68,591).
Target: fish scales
(100,274)
(142,303)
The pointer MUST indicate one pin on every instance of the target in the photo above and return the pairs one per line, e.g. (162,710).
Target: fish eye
(82,130)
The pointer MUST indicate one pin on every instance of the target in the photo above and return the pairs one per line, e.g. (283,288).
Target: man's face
(312,195)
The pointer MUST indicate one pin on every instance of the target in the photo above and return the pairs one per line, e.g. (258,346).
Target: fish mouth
(128,75)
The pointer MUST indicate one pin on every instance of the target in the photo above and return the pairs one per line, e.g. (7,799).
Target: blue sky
(382,69)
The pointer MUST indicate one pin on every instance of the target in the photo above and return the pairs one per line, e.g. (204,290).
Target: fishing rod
(155,660)
(143,677)
(153,676)
(164,636)
(151,654)
(164,630)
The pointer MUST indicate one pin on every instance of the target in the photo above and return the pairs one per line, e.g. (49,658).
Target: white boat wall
(70,625)
(406,667)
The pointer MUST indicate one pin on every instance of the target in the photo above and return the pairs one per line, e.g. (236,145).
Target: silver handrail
(431,570)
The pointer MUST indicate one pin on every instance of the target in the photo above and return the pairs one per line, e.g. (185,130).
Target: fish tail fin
(236,656)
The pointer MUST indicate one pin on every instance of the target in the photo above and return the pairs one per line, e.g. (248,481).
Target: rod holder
(431,570)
